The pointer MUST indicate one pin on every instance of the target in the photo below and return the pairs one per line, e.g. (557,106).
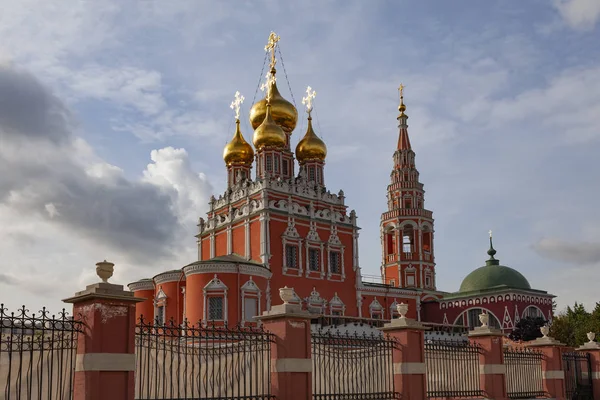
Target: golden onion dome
(238,151)
(268,133)
(311,147)
(284,113)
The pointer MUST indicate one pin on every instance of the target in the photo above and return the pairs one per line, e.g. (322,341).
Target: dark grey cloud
(581,253)
(29,111)
(42,174)
(8,280)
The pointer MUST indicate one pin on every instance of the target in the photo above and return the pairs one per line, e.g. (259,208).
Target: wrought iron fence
(452,369)
(352,366)
(578,375)
(37,354)
(523,373)
(194,361)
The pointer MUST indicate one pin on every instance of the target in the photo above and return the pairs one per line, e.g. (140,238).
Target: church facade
(283,227)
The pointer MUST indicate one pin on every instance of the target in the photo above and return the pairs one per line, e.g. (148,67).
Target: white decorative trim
(141,285)
(292,365)
(553,374)
(250,290)
(215,284)
(409,368)
(488,369)
(336,304)
(160,295)
(217,268)
(104,362)
(165,277)
(212,288)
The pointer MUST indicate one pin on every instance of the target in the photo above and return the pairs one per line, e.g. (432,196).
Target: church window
(313,259)
(335,262)
(284,167)
(428,281)
(250,308)
(319,180)
(407,239)
(407,203)
(532,312)
(269,163)
(311,174)
(215,308)
(276,163)
(410,280)
(291,256)
(160,315)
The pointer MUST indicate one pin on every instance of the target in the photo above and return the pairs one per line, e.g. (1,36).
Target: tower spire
(403,139)
(491,252)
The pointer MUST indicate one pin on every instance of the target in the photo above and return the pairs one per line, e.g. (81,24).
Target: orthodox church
(285,228)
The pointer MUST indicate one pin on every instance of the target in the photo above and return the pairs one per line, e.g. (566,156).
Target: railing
(37,354)
(356,367)
(523,373)
(452,369)
(578,375)
(193,361)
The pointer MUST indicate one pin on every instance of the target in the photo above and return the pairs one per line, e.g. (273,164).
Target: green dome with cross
(493,275)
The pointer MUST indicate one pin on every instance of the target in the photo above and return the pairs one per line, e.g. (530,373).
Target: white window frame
(215,288)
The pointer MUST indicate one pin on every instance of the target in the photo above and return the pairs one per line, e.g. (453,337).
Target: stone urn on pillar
(105,269)
(402,309)
(545,330)
(591,336)
(286,294)
(484,318)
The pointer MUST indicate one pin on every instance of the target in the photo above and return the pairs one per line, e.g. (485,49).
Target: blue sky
(116,113)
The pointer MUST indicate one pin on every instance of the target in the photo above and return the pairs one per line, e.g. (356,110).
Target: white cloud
(579,14)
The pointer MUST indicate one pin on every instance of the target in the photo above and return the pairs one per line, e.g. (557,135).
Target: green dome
(492,276)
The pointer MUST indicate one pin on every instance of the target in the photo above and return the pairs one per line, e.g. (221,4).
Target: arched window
(426,239)
(390,241)
(470,318)
(533,312)
(408,239)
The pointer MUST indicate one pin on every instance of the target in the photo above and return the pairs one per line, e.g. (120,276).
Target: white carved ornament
(215,284)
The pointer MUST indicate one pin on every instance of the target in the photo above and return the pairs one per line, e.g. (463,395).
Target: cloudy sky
(113,116)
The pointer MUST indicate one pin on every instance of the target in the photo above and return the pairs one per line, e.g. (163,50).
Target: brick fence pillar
(553,375)
(492,371)
(291,364)
(409,356)
(105,363)
(593,348)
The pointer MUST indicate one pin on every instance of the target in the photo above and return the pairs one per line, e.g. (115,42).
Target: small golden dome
(311,147)
(238,151)
(268,133)
(284,113)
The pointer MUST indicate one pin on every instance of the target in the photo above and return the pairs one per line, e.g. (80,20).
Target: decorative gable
(336,301)
(161,295)
(313,236)
(315,298)
(291,231)
(334,239)
(215,284)
(375,305)
(250,286)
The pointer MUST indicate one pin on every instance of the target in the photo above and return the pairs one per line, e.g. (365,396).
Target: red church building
(285,228)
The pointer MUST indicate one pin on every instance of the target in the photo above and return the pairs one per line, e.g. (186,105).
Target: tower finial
(491,252)
(236,104)
(272,43)
(401,107)
(308,100)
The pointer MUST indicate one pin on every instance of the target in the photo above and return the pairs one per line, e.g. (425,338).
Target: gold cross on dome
(269,82)
(308,100)
(236,104)
(273,39)
(401,90)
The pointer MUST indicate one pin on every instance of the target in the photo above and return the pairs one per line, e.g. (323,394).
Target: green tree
(572,325)
(528,329)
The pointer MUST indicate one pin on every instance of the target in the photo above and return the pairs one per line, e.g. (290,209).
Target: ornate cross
(236,104)
(401,90)
(269,82)
(308,100)
(273,39)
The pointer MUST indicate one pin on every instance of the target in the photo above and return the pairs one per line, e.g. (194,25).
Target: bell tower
(406,227)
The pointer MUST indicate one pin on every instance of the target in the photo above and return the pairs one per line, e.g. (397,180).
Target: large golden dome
(284,113)
(268,133)
(311,147)
(238,151)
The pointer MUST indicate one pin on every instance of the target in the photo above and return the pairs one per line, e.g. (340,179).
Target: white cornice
(165,277)
(141,285)
(218,268)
